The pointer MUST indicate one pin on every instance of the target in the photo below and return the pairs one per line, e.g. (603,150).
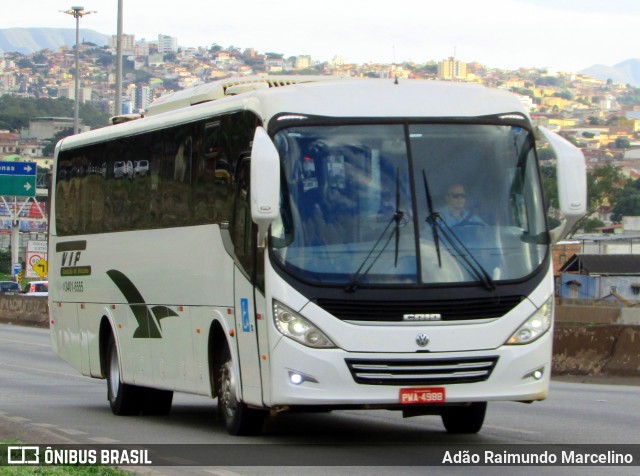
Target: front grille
(421,371)
(450,310)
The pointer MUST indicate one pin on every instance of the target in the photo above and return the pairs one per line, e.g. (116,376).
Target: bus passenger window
(242,232)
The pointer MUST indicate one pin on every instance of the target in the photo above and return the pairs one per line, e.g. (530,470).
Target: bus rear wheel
(464,419)
(238,417)
(124,399)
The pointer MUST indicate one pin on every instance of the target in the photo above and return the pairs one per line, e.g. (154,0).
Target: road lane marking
(11,341)
(104,440)
(221,472)
(512,430)
(18,419)
(45,425)
(50,372)
(71,431)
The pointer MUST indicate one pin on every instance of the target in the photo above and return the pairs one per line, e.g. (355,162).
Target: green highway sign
(18,178)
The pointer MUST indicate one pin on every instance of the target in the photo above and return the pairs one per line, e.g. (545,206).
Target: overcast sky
(567,35)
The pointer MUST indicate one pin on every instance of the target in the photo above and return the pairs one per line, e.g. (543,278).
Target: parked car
(140,168)
(37,288)
(122,169)
(9,287)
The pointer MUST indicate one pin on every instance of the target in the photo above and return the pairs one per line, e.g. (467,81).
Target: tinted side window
(178,176)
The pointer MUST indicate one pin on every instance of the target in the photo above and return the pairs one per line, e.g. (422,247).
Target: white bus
(288,248)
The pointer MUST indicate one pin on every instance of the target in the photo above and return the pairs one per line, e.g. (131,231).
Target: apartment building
(167,44)
(128,43)
(452,68)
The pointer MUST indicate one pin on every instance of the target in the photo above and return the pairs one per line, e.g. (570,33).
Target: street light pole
(119,62)
(77,13)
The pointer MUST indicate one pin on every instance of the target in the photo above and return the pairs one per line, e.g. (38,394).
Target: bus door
(243,235)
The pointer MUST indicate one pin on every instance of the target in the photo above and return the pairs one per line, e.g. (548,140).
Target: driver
(456,213)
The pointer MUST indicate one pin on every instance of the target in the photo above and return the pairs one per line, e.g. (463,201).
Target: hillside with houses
(599,115)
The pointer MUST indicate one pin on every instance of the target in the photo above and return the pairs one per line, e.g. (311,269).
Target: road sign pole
(15,241)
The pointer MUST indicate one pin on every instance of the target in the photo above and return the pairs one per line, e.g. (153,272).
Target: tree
(590,225)
(5,261)
(627,206)
(50,147)
(24,63)
(16,112)
(623,143)
(564,95)
(168,57)
(550,193)
(626,201)
(604,185)
(40,58)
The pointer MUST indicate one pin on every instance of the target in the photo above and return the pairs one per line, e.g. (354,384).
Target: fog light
(297,378)
(536,374)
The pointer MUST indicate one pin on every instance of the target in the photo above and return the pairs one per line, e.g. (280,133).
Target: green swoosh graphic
(146,319)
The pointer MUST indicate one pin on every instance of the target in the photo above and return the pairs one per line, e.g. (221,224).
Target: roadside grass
(53,470)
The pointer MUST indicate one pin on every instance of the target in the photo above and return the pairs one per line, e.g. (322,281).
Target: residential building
(167,44)
(143,97)
(452,68)
(47,127)
(302,62)
(128,43)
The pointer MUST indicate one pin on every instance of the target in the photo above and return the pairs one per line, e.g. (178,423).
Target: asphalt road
(43,400)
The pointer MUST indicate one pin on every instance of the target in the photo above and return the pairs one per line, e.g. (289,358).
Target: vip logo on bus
(71,255)
(147,317)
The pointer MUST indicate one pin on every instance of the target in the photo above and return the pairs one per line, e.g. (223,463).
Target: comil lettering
(422,317)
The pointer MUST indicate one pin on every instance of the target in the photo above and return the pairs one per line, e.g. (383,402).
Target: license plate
(413,396)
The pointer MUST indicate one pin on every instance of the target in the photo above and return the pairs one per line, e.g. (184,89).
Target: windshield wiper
(432,218)
(455,246)
(464,255)
(395,219)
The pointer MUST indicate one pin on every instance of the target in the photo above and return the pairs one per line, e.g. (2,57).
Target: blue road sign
(18,168)
(18,178)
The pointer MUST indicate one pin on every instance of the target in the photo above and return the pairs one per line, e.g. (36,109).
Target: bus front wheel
(464,419)
(238,417)
(124,399)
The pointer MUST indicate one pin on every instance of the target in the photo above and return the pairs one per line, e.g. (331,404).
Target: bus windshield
(409,204)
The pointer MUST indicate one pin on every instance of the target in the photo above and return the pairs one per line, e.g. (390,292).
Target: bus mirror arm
(572,182)
(265,183)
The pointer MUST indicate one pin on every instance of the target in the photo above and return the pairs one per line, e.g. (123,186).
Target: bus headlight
(296,327)
(535,326)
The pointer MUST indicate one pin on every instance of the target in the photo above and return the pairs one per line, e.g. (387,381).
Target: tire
(124,399)
(238,417)
(461,420)
(155,402)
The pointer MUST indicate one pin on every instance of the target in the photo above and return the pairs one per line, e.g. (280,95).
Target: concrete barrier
(24,310)
(594,340)
(586,341)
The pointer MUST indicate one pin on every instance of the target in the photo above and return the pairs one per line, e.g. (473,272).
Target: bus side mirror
(265,183)
(572,182)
